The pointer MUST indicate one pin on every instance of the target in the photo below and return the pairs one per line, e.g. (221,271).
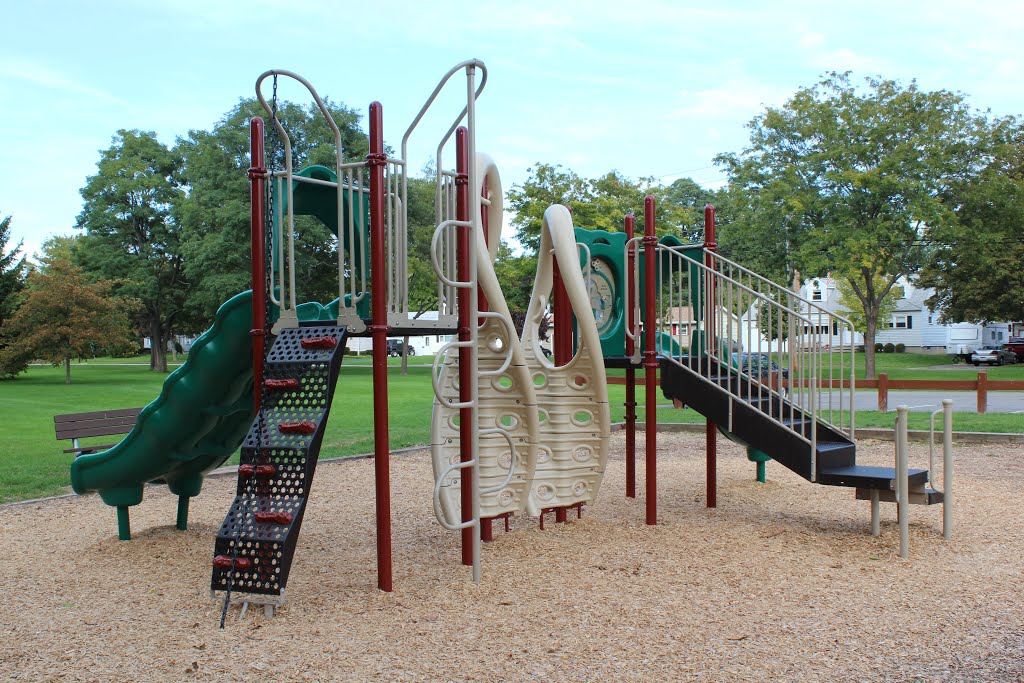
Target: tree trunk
(869,349)
(405,355)
(67,369)
(157,348)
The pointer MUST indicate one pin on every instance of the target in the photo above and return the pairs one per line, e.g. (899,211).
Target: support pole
(630,228)
(376,160)
(182,521)
(947,468)
(466,379)
(650,364)
(710,429)
(257,197)
(902,483)
(124,528)
(875,523)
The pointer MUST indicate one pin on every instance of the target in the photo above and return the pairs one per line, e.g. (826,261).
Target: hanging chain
(268,284)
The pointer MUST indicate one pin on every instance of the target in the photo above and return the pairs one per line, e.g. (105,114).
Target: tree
(12,272)
(853,311)
(64,316)
(851,180)
(976,266)
(132,236)
(214,217)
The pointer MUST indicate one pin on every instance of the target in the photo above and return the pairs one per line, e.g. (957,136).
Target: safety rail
(904,496)
(352,188)
(768,342)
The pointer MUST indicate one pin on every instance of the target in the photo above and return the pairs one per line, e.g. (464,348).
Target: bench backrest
(100,423)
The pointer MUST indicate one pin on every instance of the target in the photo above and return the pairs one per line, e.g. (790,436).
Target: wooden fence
(982,385)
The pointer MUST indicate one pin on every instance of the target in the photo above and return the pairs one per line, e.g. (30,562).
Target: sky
(650,89)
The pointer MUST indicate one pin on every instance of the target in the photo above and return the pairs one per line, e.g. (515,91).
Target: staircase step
(928,496)
(868,477)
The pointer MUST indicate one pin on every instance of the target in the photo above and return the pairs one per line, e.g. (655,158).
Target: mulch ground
(781,582)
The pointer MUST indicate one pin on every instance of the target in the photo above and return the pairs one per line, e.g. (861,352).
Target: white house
(913,323)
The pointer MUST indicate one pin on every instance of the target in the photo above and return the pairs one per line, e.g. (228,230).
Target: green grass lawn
(32,465)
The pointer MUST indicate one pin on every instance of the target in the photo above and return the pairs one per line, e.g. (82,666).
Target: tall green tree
(214,217)
(850,179)
(977,265)
(65,316)
(131,234)
(12,272)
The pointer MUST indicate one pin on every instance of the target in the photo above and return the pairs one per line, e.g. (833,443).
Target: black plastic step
(868,477)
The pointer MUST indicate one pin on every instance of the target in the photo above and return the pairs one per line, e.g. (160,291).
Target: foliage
(901,347)
(976,265)
(850,180)
(215,215)
(852,310)
(131,236)
(597,204)
(12,273)
(889,347)
(64,316)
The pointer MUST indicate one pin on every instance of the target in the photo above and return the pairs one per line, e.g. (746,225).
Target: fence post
(883,392)
(982,392)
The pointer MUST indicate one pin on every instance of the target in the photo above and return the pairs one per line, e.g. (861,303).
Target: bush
(901,347)
(878,347)
(889,347)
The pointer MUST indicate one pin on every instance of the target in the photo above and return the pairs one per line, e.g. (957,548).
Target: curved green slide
(199,419)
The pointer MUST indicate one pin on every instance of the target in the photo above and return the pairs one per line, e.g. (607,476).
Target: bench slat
(95,430)
(97,415)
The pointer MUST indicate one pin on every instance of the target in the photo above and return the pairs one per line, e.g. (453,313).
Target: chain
(267,284)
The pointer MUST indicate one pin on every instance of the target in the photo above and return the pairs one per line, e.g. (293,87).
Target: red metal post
(630,228)
(466,378)
(711,430)
(650,363)
(376,160)
(257,191)
(563,319)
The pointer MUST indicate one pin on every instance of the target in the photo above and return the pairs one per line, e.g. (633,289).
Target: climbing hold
(225,562)
(274,517)
(278,384)
(319,343)
(245,471)
(265,470)
(304,427)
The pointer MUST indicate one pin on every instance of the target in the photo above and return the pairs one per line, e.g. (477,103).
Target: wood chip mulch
(781,582)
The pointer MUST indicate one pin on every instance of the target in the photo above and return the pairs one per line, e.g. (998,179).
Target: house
(913,323)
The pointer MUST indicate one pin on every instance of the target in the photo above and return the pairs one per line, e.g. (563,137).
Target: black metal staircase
(256,543)
(766,420)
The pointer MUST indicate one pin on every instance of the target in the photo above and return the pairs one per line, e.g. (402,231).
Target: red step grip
(245,471)
(265,470)
(274,517)
(278,384)
(304,427)
(319,343)
(224,562)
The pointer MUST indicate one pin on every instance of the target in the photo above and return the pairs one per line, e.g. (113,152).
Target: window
(902,322)
(816,295)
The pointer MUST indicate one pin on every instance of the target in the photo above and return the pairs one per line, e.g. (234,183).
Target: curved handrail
(438,485)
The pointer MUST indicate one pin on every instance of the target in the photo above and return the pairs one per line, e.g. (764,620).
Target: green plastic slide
(199,419)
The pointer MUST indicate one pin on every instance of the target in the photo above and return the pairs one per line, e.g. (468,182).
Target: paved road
(927,401)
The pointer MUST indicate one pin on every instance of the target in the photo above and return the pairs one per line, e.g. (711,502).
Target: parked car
(760,365)
(993,355)
(1016,344)
(395,348)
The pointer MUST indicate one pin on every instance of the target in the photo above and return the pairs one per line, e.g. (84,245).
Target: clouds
(34,74)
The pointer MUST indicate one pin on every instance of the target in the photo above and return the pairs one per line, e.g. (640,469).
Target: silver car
(993,355)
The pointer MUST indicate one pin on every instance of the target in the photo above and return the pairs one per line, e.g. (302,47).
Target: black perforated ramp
(256,543)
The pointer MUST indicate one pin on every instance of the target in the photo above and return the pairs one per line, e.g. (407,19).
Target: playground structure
(512,432)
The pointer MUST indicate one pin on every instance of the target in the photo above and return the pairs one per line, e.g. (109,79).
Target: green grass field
(32,464)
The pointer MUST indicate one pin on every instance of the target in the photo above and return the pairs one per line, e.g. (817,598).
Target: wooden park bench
(77,426)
